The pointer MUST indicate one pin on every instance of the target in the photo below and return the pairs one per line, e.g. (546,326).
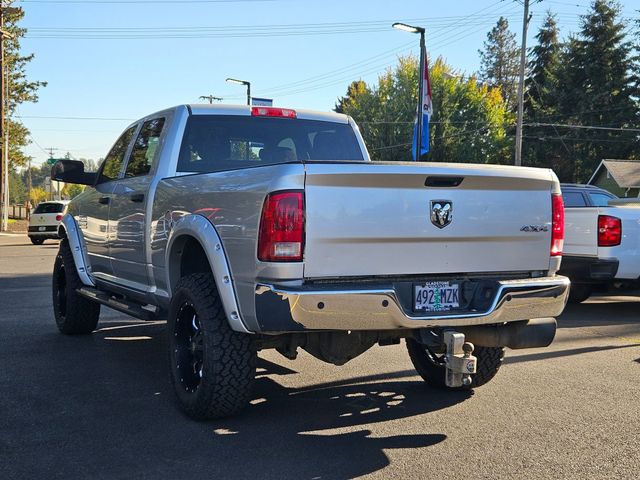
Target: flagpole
(423,60)
(420,96)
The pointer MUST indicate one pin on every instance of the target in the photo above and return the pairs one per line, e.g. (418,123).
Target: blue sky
(109,62)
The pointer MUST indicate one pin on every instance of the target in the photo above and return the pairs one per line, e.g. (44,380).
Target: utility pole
(523,61)
(50,161)
(4,163)
(211,98)
(4,220)
(28,202)
(5,154)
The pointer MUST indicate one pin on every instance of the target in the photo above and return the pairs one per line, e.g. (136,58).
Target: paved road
(101,406)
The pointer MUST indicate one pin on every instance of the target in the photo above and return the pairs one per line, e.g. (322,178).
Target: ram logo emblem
(441,212)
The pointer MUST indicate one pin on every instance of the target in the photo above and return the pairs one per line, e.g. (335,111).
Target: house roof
(626,173)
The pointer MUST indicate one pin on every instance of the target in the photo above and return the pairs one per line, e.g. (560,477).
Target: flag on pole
(425,109)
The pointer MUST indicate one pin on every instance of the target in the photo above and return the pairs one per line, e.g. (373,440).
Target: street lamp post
(242,82)
(420,30)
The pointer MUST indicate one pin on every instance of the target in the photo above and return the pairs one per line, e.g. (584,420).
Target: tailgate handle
(437,181)
(104,200)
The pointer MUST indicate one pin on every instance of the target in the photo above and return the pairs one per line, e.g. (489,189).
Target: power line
(109,2)
(389,146)
(231,31)
(584,127)
(444,21)
(75,118)
(432,46)
(599,110)
(575,140)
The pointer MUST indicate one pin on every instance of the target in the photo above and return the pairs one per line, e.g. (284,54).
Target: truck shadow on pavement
(596,312)
(295,430)
(102,406)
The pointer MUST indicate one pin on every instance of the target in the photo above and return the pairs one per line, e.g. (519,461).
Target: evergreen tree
(598,89)
(542,81)
(499,61)
(542,103)
(20,88)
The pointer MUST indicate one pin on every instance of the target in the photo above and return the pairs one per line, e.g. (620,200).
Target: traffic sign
(262,102)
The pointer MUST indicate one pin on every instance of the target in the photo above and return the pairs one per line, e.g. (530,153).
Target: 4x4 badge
(441,212)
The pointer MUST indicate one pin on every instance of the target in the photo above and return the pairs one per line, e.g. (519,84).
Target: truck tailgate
(581,231)
(368,219)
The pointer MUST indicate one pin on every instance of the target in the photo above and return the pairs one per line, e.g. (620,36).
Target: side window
(574,199)
(144,149)
(599,199)
(113,162)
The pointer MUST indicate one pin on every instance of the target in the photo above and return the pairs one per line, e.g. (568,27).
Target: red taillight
(273,112)
(557,225)
(58,218)
(609,231)
(281,237)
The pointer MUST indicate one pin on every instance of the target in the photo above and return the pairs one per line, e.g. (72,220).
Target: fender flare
(68,229)
(202,230)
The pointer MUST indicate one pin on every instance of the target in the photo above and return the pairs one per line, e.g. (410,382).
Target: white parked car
(45,220)
(602,240)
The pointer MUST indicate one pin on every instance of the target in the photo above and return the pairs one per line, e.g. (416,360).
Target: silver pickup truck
(252,228)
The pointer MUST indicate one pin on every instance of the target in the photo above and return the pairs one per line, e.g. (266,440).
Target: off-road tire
(74,314)
(579,292)
(228,359)
(489,362)
(36,240)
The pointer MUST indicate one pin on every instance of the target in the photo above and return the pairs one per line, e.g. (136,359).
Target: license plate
(42,229)
(436,296)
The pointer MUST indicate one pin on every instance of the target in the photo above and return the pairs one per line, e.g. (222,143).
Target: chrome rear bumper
(284,309)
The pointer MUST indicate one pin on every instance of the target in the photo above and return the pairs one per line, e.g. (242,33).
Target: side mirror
(72,171)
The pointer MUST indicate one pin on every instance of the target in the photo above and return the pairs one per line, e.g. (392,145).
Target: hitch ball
(460,363)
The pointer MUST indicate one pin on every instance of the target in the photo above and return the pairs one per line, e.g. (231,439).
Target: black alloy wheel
(74,314)
(60,293)
(212,367)
(189,347)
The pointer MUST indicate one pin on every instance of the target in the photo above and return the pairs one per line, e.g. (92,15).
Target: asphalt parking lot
(101,406)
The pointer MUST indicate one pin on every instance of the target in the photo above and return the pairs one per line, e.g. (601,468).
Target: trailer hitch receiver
(459,361)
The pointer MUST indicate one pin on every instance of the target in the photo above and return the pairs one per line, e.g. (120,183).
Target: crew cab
(602,244)
(253,228)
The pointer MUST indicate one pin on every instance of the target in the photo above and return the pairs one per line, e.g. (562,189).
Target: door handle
(104,200)
(137,197)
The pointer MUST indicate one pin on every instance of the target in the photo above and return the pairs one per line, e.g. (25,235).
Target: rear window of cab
(214,143)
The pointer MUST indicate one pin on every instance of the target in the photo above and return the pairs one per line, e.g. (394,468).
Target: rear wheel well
(62,231)
(187,257)
(193,258)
